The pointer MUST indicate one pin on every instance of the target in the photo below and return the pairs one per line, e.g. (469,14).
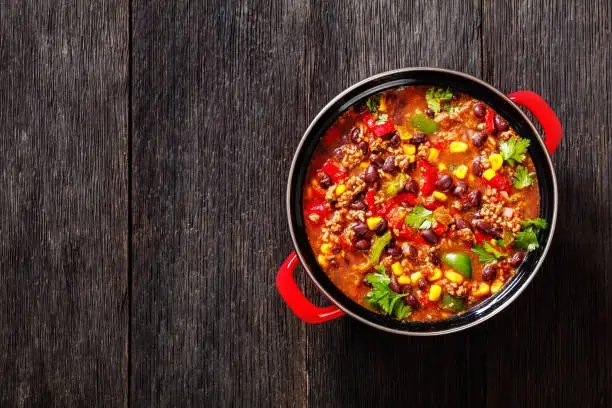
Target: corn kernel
(442,167)
(458,147)
(453,276)
(416,276)
(409,149)
(404,280)
(496,286)
(322,261)
(372,221)
(440,196)
(403,133)
(483,290)
(326,248)
(436,275)
(488,174)
(364,164)
(461,172)
(397,269)
(340,189)
(433,154)
(496,161)
(382,106)
(471,177)
(434,292)
(412,158)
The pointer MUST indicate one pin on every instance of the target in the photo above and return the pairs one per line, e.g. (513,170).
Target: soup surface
(421,202)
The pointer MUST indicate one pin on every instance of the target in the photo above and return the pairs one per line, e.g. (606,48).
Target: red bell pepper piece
(318,193)
(370,201)
(481,236)
(490,119)
(430,174)
(378,129)
(321,209)
(500,183)
(397,201)
(334,171)
(432,205)
(332,136)
(440,229)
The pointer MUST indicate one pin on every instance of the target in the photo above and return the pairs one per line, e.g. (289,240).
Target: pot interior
(431,77)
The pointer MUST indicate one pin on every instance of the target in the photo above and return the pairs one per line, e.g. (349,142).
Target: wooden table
(144,152)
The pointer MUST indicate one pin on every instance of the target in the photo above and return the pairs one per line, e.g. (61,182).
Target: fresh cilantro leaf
(522,177)
(538,223)
(420,218)
(373,103)
(380,269)
(490,249)
(514,149)
(454,109)
(382,118)
(385,299)
(484,254)
(527,240)
(435,97)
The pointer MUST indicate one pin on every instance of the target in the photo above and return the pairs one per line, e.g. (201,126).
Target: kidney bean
(364,147)
(412,301)
(325,181)
(430,236)
(393,285)
(406,289)
(389,165)
(395,140)
(422,283)
(362,244)
(489,273)
(394,251)
(474,198)
(355,135)
(381,226)
(371,174)
(444,182)
(483,226)
(478,138)
(411,251)
(338,152)
(500,123)
(377,160)
(460,223)
(517,258)
(358,205)
(460,188)
(390,135)
(479,110)
(360,229)
(435,259)
(418,138)
(429,112)
(477,168)
(412,187)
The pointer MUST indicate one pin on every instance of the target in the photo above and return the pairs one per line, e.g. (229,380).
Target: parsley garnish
(539,223)
(382,297)
(487,254)
(514,149)
(436,96)
(382,118)
(420,218)
(527,240)
(522,177)
(373,103)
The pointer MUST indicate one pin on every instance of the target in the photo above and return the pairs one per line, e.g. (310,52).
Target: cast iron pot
(507,106)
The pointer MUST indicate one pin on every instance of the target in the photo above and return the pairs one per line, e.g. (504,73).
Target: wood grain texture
(63,203)
(553,347)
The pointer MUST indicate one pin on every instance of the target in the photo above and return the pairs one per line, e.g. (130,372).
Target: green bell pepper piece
(424,123)
(377,247)
(460,262)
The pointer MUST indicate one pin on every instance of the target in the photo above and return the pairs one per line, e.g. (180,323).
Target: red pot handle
(544,114)
(295,299)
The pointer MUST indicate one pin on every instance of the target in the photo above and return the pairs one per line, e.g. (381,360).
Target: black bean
(412,187)
(460,223)
(389,165)
(360,229)
(390,135)
(412,301)
(477,168)
(418,138)
(429,112)
(406,289)
(377,160)
(430,236)
(495,232)
(489,273)
(478,138)
(333,263)
(517,258)
(394,251)
(479,110)
(395,140)
(337,250)
(474,198)
(500,123)
(460,188)
(355,135)
(339,152)
(381,226)
(393,285)
(482,226)
(371,174)
(358,205)
(435,259)
(364,147)
(362,244)
(325,181)
(413,253)
(444,182)
(422,283)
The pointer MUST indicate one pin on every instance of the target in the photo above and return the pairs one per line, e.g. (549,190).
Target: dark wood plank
(219,103)
(350,364)
(63,201)
(553,346)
